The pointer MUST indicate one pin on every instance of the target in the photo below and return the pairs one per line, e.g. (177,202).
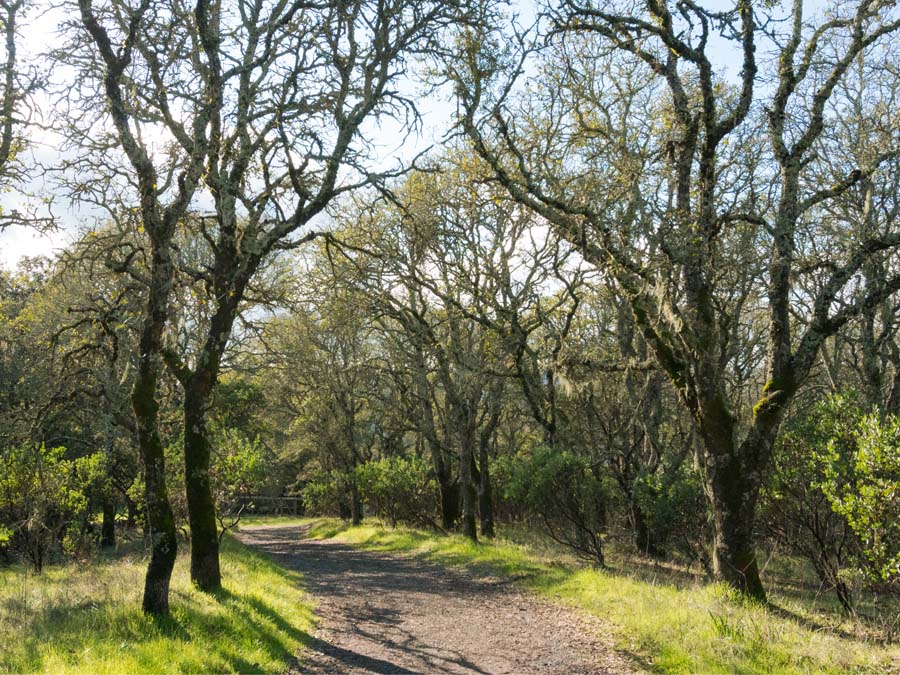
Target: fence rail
(263,505)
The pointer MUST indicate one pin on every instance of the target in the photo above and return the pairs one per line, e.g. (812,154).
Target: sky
(42,35)
(39,33)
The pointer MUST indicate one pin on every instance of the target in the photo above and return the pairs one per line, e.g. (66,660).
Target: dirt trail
(381,613)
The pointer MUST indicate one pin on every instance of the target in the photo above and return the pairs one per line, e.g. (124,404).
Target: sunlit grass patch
(88,619)
(669,623)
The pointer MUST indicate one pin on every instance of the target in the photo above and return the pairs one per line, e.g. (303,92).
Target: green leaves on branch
(848,462)
(400,489)
(42,496)
(863,485)
(561,488)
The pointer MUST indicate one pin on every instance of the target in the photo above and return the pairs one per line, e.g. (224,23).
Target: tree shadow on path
(383,613)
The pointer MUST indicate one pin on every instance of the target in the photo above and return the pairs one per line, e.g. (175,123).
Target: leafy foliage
(326,492)
(834,494)
(862,482)
(401,489)
(41,497)
(674,505)
(238,470)
(562,489)
(797,511)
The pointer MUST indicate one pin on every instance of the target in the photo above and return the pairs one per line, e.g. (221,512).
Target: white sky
(40,36)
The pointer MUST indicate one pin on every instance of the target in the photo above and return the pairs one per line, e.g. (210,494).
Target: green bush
(862,483)
(834,494)
(796,510)
(674,506)
(326,493)
(400,489)
(238,469)
(561,489)
(40,499)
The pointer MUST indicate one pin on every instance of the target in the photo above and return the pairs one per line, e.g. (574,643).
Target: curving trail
(381,613)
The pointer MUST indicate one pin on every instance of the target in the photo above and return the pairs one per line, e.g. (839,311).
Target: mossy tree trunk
(485,437)
(159,223)
(466,478)
(108,528)
(448,487)
(199,384)
(485,494)
(355,504)
(205,569)
(160,519)
(449,493)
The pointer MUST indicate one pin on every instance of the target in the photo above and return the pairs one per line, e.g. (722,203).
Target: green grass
(667,621)
(87,618)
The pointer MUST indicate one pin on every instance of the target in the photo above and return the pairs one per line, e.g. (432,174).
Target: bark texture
(205,569)
(108,528)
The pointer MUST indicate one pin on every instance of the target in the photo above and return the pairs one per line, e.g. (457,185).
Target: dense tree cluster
(643,296)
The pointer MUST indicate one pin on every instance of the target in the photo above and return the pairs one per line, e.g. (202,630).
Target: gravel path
(381,613)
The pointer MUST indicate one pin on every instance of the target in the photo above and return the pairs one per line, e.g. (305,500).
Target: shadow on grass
(251,608)
(169,627)
(85,620)
(325,529)
(807,622)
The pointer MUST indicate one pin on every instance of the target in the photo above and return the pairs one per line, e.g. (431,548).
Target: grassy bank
(670,623)
(87,618)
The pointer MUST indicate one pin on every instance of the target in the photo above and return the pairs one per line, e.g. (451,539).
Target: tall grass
(667,620)
(88,619)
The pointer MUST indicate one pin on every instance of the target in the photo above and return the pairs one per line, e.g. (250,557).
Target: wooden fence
(280,506)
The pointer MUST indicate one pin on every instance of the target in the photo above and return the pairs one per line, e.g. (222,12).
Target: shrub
(560,488)
(675,508)
(39,499)
(796,509)
(834,494)
(326,493)
(400,489)
(238,469)
(863,485)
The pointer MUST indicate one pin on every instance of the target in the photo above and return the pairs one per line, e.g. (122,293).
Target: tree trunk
(355,505)
(198,388)
(449,490)
(160,520)
(845,595)
(734,553)
(108,529)
(205,570)
(131,511)
(447,487)
(467,485)
(485,495)
(828,575)
(644,540)
(443,472)
(732,493)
